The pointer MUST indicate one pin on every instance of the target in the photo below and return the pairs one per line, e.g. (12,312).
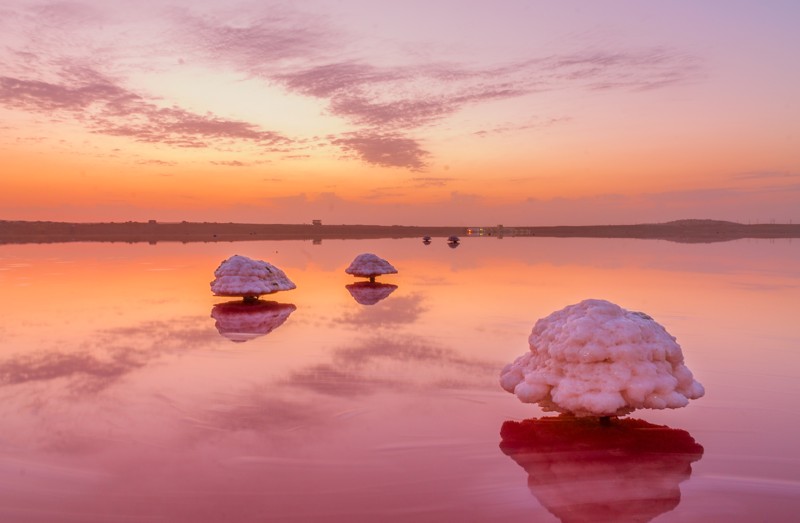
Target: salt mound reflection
(242,321)
(370,293)
(627,470)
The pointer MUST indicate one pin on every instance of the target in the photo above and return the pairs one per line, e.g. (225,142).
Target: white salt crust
(242,276)
(369,265)
(595,358)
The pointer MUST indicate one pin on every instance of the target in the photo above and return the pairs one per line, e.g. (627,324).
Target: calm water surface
(129,393)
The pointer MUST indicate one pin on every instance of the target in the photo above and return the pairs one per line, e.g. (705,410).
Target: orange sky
(361,112)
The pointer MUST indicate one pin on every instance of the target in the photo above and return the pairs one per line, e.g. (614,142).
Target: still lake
(128,393)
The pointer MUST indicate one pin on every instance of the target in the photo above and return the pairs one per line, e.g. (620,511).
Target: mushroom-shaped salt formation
(370,293)
(368,265)
(629,470)
(241,276)
(241,322)
(595,358)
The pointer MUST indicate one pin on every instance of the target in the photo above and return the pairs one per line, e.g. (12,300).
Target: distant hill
(678,231)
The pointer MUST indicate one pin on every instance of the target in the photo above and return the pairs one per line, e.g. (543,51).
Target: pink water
(123,400)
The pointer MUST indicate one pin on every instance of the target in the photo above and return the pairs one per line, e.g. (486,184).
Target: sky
(416,112)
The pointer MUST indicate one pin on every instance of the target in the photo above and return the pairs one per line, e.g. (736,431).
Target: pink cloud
(432,181)
(106,108)
(327,80)
(387,150)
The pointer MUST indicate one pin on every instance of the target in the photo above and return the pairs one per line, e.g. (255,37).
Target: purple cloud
(231,163)
(432,181)
(387,150)
(106,108)
(260,45)
(764,175)
(627,70)
(509,127)
(330,79)
(294,50)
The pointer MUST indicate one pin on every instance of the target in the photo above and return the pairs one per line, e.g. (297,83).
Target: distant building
(316,222)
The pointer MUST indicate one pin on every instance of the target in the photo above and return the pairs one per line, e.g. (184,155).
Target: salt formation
(370,293)
(240,322)
(595,358)
(368,265)
(241,276)
(629,470)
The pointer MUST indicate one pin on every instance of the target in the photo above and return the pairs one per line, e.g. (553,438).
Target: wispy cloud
(259,43)
(387,150)
(107,108)
(432,181)
(765,175)
(509,127)
(638,69)
(231,163)
(390,108)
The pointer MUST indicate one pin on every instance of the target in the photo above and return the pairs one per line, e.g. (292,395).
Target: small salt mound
(242,276)
(369,265)
(595,358)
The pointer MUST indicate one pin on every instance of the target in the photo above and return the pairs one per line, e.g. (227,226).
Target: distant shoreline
(685,231)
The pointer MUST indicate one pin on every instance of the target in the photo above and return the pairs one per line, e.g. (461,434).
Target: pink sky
(448,112)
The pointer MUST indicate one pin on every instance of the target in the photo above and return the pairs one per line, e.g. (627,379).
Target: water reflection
(629,470)
(370,293)
(392,362)
(104,358)
(241,321)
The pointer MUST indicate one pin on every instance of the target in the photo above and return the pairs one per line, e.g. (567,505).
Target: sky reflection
(120,398)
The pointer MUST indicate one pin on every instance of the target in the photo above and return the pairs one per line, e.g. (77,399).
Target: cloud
(259,44)
(764,175)
(432,181)
(641,69)
(106,108)
(231,163)
(407,98)
(509,127)
(384,149)
(163,163)
(334,78)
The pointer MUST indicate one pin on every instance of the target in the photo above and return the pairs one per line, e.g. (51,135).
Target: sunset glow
(445,113)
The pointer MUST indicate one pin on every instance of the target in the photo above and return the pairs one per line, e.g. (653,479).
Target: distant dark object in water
(426,240)
(453,239)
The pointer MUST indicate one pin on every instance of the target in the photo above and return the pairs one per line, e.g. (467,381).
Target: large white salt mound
(595,358)
(369,265)
(242,276)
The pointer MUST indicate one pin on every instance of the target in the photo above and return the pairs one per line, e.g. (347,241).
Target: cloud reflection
(106,357)
(87,372)
(580,470)
(378,363)
(400,310)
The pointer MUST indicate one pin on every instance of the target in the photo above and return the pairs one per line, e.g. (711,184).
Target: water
(123,399)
